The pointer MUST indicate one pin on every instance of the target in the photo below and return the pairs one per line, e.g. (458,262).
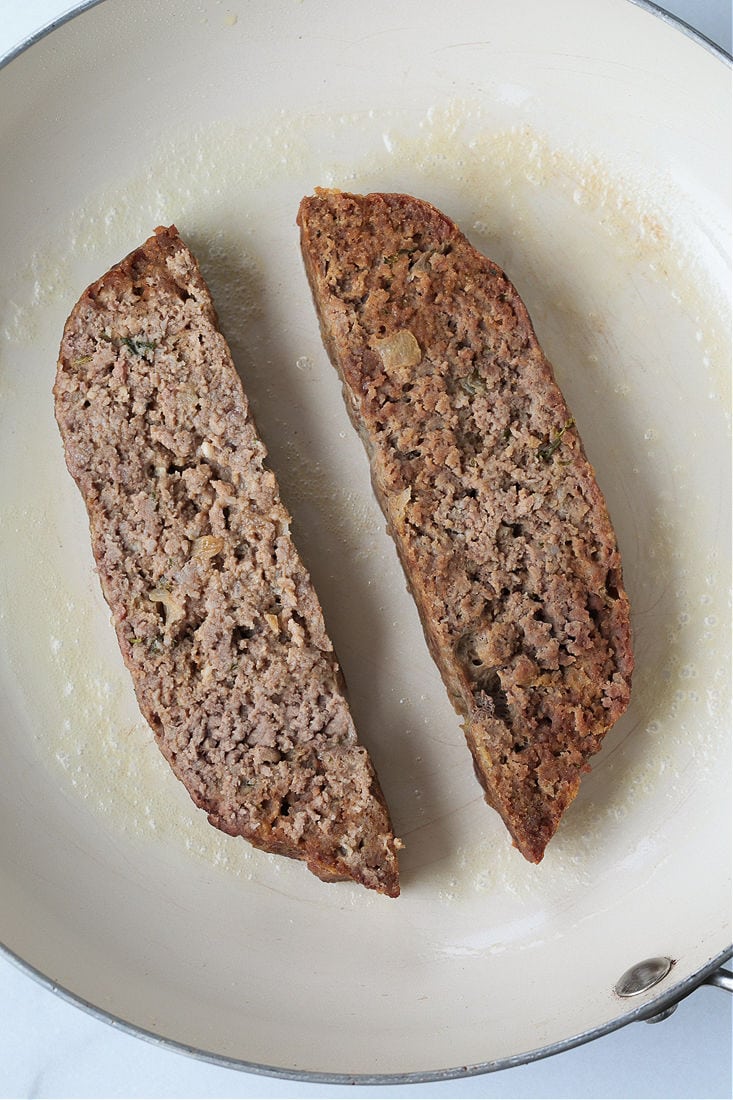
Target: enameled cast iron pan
(586,149)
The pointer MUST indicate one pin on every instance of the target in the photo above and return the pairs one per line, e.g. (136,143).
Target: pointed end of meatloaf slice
(216,616)
(509,777)
(494,508)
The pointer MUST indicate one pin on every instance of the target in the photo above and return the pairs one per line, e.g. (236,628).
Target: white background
(49,1048)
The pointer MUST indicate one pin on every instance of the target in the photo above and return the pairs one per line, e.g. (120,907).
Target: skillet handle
(645,975)
(722,978)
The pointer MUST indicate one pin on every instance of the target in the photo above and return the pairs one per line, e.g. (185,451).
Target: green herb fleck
(473,384)
(545,451)
(137,345)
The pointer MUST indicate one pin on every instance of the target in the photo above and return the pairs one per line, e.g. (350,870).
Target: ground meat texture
(216,617)
(499,522)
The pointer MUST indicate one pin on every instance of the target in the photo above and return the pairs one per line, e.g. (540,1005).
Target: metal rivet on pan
(638,979)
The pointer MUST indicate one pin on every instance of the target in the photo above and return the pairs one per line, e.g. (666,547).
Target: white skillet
(586,148)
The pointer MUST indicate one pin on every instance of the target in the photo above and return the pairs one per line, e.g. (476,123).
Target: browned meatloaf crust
(498,520)
(215,614)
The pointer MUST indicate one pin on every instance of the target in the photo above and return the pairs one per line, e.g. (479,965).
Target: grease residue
(617,293)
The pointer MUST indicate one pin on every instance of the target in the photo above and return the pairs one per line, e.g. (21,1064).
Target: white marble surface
(49,1048)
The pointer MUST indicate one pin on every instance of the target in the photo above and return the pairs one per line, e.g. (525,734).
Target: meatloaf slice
(494,507)
(215,614)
